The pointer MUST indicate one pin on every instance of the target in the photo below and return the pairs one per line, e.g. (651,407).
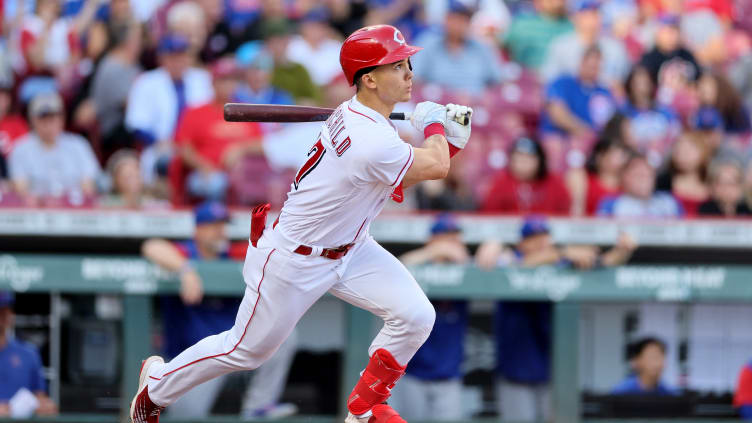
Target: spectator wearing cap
(743,394)
(188,20)
(566,52)
(257,66)
(646,359)
(686,174)
(576,108)
(715,91)
(668,61)
(288,75)
(110,86)
(21,374)
(455,60)
(12,125)
(725,175)
(530,34)
(128,192)
(708,123)
(208,144)
(192,317)
(159,97)
(49,162)
(526,185)
(315,47)
(653,126)
(523,329)
(432,386)
(639,197)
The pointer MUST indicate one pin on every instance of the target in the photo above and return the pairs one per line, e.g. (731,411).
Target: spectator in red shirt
(685,176)
(12,126)
(600,179)
(526,185)
(208,144)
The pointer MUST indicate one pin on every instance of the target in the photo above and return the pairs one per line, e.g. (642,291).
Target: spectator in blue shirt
(639,197)
(20,367)
(432,386)
(453,59)
(646,358)
(577,107)
(652,126)
(258,65)
(192,317)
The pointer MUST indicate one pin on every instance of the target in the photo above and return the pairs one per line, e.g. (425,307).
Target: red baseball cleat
(383,413)
(143,410)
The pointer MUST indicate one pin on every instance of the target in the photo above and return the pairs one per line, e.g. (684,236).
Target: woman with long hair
(685,175)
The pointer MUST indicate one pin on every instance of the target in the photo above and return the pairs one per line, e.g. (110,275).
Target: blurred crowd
(611,108)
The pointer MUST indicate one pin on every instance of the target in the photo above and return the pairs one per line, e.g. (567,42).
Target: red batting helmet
(373,46)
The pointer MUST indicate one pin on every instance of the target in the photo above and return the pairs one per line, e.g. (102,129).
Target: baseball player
(320,243)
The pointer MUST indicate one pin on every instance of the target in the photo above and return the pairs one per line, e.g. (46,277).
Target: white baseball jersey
(355,163)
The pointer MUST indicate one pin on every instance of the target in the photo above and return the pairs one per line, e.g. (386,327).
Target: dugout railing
(137,282)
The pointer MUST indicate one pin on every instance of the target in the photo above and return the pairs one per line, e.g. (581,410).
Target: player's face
(394,82)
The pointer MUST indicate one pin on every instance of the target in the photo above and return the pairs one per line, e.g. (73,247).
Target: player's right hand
(426,113)
(191,287)
(456,133)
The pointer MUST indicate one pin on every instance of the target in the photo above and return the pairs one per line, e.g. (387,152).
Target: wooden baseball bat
(242,112)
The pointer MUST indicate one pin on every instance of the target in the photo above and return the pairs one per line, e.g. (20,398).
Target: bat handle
(400,116)
(463,120)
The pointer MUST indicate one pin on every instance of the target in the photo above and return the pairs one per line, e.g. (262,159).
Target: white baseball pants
(280,287)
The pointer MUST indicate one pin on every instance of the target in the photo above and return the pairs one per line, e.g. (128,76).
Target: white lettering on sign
(19,277)
(671,283)
(120,270)
(557,286)
(439,275)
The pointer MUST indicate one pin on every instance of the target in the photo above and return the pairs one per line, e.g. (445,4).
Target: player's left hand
(426,113)
(456,133)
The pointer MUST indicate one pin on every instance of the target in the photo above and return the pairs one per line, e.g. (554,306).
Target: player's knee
(422,321)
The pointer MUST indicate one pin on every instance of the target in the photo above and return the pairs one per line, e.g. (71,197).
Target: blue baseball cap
(316,14)
(252,54)
(173,43)
(444,223)
(211,212)
(534,225)
(588,5)
(466,7)
(669,19)
(707,118)
(7,299)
